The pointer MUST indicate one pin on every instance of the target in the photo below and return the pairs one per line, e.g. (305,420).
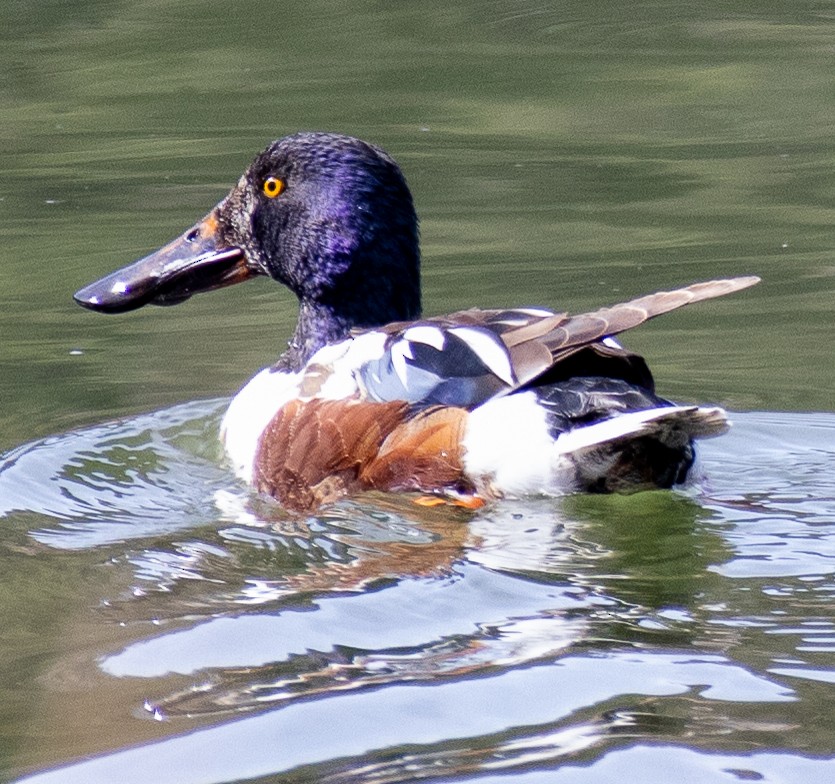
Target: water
(381,641)
(161,623)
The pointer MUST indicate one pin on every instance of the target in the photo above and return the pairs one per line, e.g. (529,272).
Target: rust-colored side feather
(312,452)
(423,453)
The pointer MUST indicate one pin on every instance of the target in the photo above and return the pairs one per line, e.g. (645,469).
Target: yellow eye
(272,187)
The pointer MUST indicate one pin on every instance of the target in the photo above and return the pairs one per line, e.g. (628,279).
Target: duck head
(329,216)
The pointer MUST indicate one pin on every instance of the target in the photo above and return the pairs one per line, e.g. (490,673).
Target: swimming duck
(370,395)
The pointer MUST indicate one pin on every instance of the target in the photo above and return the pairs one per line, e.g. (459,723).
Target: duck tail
(639,449)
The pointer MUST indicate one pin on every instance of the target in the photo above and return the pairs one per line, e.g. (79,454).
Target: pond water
(162,623)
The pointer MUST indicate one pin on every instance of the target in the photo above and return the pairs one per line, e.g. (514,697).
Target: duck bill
(194,262)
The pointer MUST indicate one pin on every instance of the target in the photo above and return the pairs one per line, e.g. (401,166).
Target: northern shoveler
(472,405)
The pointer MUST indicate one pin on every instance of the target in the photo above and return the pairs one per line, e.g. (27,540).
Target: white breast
(250,412)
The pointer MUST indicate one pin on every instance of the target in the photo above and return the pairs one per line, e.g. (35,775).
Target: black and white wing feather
(467,358)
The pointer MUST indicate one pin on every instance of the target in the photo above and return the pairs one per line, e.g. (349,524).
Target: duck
(369,394)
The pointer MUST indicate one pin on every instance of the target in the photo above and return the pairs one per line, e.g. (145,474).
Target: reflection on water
(114,482)
(524,634)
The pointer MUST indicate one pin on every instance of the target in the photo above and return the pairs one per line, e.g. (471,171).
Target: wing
(466,358)
(459,359)
(563,336)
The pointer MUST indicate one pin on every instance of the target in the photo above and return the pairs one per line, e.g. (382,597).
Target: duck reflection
(378,590)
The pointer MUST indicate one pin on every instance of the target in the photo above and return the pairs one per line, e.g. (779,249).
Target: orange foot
(465,501)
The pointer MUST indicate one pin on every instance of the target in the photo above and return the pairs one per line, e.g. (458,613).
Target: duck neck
(317,326)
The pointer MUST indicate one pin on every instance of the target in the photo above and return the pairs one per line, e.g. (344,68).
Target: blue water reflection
(524,700)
